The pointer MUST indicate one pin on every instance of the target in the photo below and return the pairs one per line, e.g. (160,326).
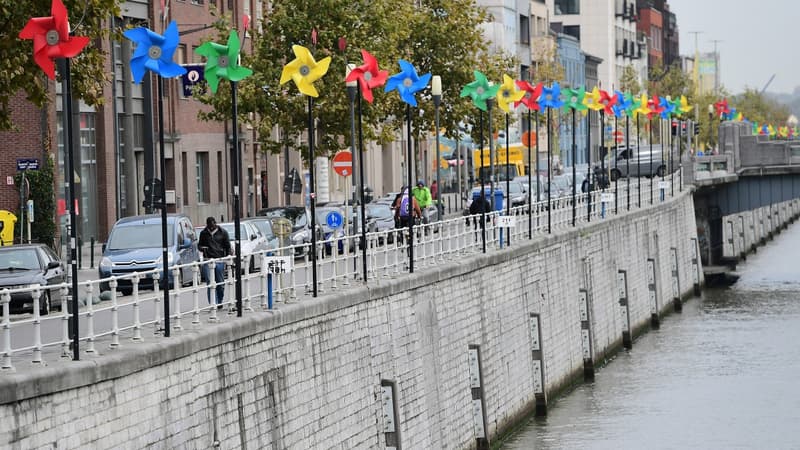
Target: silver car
(642,163)
(253,243)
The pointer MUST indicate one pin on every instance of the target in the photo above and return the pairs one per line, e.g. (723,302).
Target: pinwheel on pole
(366,77)
(630,105)
(304,70)
(51,41)
(619,108)
(154,53)
(667,111)
(222,62)
(642,108)
(683,108)
(481,92)
(655,110)
(550,100)
(530,100)
(407,83)
(575,101)
(507,95)
(593,102)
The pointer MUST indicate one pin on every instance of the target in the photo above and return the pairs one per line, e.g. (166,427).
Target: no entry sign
(343,163)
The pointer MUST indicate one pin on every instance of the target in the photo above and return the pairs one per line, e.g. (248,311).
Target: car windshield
(515,188)
(380,211)
(561,182)
(296,215)
(229,227)
(138,236)
(20,259)
(265,227)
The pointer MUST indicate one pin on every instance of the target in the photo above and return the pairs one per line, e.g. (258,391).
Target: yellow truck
(516,162)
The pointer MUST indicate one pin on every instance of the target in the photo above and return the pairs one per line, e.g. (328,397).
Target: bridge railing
(709,167)
(129,309)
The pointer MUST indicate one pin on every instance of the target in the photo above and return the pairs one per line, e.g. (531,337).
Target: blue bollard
(269,291)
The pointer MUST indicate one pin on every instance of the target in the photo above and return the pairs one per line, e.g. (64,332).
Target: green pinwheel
(480,91)
(223,61)
(574,99)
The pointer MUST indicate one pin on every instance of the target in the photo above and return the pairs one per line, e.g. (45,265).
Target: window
(180,55)
(196,58)
(573,30)
(524,29)
(524,73)
(201,177)
(567,7)
(185,177)
(220,179)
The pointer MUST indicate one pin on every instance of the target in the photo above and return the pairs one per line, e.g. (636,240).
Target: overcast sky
(759,38)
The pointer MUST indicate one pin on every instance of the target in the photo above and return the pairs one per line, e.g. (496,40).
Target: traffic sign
(334,219)
(343,163)
(195,74)
(618,136)
(27,164)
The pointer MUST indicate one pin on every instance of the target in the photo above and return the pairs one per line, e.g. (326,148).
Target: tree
(757,107)
(629,80)
(41,182)
(443,37)
(20,72)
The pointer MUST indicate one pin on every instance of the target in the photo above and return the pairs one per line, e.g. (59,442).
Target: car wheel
(615,174)
(661,171)
(44,303)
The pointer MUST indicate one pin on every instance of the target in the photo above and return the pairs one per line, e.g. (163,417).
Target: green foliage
(20,72)
(629,80)
(673,82)
(759,108)
(43,228)
(439,36)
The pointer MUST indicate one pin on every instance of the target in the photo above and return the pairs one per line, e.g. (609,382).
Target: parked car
(638,162)
(264,225)
(252,243)
(517,193)
(382,215)
(134,245)
(28,264)
(301,225)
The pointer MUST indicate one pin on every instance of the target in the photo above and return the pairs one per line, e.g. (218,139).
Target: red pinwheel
(368,75)
(608,102)
(722,107)
(655,107)
(532,94)
(51,38)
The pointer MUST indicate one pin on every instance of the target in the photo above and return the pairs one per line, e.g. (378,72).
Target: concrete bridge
(451,356)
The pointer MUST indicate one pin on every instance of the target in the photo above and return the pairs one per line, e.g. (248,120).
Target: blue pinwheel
(622,105)
(667,108)
(154,52)
(407,82)
(550,97)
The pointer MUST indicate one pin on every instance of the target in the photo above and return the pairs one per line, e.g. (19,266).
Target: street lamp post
(436,90)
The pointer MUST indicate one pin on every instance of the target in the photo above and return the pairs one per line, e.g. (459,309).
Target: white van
(642,163)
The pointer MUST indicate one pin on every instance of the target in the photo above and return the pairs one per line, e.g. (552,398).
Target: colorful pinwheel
(532,94)
(667,107)
(407,82)
(479,90)
(223,61)
(508,93)
(550,97)
(756,128)
(722,107)
(368,75)
(592,100)
(623,103)
(51,38)
(654,106)
(154,52)
(575,99)
(683,107)
(304,70)
(783,132)
(642,106)
(608,101)
(771,130)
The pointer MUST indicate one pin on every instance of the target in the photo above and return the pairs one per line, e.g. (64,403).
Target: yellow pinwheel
(592,100)
(508,94)
(304,70)
(685,106)
(771,130)
(643,106)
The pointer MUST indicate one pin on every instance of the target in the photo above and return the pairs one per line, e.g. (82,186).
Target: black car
(25,265)
(301,225)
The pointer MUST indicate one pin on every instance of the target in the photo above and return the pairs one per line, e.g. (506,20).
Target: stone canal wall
(448,357)
(743,232)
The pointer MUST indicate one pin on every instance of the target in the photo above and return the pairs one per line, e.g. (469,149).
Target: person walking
(214,243)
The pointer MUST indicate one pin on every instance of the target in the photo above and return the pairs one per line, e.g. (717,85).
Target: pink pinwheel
(368,75)
(608,102)
(722,107)
(51,38)
(532,94)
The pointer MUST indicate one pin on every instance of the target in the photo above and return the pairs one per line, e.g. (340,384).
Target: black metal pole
(680,154)
(671,151)
(538,175)
(312,195)
(163,170)
(482,196)
(616,180)
(628,152)
(574,171)
(549,173)
(410,156)
(508,182)
(588,165)
(602,147)
(652,176)
(351,95)
(491,154)
(73,230)
(638,162)
(361,190)
(237,176)
(530,181)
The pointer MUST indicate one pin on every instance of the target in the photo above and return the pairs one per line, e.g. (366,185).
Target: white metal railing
(123,310)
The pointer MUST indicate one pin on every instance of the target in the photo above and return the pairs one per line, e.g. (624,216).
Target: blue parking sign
(334,219)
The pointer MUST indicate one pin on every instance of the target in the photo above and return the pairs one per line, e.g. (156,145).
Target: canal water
(721,375)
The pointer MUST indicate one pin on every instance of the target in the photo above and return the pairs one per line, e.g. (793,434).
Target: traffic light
(152,193)
(674,125)
(696,128)
(292,182)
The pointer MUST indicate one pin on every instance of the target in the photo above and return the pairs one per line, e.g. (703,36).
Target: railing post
(90,318)
(137,321)
(5,301)
(112,284)
(175,293)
